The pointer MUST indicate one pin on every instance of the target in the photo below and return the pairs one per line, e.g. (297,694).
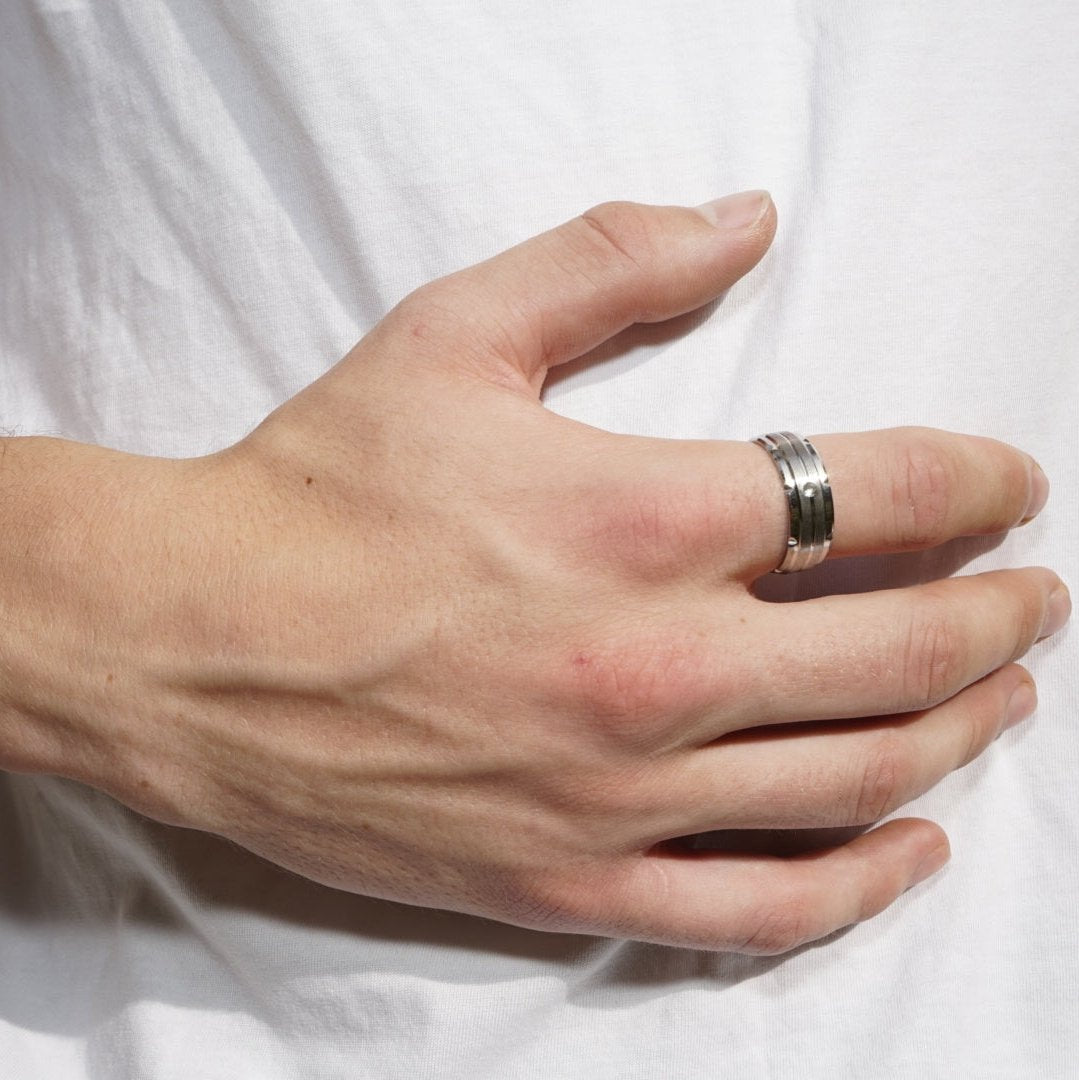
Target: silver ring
(809,499)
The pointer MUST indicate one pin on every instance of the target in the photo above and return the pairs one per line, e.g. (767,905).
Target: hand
(418,637)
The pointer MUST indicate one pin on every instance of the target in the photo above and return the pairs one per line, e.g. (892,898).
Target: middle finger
(885,652)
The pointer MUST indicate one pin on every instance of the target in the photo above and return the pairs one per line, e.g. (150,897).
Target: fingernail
(1021,704)
(735,211)
(1057,611)
(1039,493)
(930,864)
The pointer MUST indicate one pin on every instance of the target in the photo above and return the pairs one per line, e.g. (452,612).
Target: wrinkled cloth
(202,207)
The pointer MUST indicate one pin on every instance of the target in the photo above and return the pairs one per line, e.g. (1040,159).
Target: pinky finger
(764,904)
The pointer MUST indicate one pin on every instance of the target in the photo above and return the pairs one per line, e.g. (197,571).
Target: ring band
(809,499)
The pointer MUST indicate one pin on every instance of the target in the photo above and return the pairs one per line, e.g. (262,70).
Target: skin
(418,637)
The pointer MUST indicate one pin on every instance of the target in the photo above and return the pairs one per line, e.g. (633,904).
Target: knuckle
(782,925)
(1013,474)
(546,903)
(923,491)
(619,233)
(1029,615)
(977,727)
(884,776)
(428,315)
(638,527)
(626,685)
(415,309)
(602,799)
(454,322)
(933,657)
(657,531)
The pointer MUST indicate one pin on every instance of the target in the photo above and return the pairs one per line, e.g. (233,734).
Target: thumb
(560,294)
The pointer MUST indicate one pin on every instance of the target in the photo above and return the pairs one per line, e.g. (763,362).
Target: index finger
(905,489)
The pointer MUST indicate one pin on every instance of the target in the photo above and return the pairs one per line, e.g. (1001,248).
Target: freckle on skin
(108,678)
(308,480)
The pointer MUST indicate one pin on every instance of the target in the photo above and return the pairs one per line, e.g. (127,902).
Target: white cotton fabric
(203,205)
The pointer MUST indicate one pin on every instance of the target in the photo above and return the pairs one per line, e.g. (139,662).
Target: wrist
(60,502)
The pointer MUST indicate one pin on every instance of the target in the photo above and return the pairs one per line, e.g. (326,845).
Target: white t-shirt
(202,206)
